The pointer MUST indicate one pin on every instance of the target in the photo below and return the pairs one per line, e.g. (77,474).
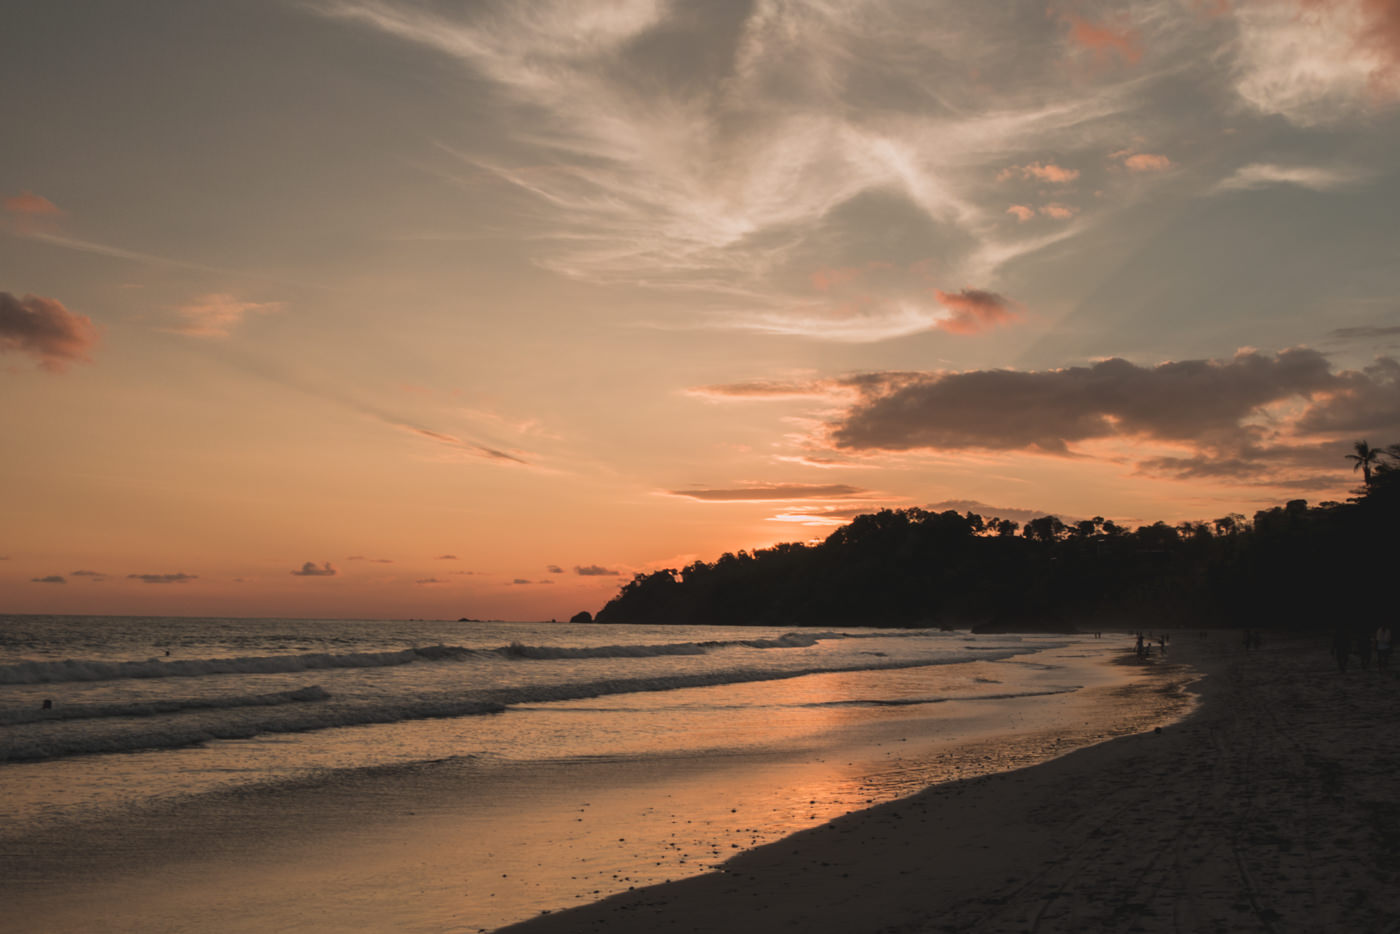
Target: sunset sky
(396,308)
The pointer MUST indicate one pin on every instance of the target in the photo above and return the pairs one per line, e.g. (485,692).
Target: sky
(402,308)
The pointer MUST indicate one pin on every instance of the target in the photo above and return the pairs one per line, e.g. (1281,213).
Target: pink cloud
(1382,37)
(1040,171)
(217,315)
(973,310)
(1105,40)
(1058,211)
(1147,162)
(44,329)
(1021,212)
(28,204)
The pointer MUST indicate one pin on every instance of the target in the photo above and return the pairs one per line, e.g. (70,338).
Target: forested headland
(1293,566)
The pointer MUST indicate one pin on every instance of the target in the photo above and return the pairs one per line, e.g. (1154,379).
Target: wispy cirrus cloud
(216,315)
(45,330)
(737,173)
(1318,62)
(778,492)
(1258,175)
(78,244)
(763,389)
(459,444)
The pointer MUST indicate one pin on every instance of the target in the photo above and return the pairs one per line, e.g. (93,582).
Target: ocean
(522,767)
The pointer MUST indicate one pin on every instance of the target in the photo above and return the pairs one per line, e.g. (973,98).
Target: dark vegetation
(1290,567)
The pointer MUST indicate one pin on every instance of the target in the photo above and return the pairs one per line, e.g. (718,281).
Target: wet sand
(468,844)
(1272,808)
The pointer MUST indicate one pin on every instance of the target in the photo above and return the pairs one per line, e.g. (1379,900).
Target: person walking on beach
(1341,646)
(1363,648)
(1382,647)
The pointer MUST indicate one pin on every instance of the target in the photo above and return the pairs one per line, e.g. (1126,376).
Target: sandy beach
(1271,808)
(1268,807)
(472,843)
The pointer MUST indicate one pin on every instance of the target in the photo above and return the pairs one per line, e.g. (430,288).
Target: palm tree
(1362,460)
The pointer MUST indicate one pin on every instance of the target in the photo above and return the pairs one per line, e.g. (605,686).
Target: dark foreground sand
(1276,807)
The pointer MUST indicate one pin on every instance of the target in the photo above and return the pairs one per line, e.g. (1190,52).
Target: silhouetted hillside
(1292,566)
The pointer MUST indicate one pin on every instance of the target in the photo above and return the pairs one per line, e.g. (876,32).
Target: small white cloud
(217,315)
(1308,62)
(1265,174)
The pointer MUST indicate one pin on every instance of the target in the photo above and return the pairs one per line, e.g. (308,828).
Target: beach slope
(1272,808)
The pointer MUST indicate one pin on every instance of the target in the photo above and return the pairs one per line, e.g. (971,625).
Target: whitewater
(516,729)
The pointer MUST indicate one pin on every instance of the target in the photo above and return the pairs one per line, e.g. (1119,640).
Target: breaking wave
(53,672)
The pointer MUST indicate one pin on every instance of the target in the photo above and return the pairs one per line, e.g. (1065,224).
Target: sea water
(513,730)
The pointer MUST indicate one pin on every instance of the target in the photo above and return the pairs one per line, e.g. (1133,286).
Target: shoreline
(1269,808)
(429,847)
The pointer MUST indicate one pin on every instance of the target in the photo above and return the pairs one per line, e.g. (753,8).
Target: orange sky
(379,308)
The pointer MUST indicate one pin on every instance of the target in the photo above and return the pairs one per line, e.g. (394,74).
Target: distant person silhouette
(1363,649)
(1341,647)
(1383,647)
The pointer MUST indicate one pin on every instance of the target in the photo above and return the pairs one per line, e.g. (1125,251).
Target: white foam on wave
(34,672)
(191,727)
(534,694)
(175,732)
(152,708)
(518,650)
(52,672)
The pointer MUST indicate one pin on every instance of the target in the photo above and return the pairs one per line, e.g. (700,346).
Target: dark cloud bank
(1215,409)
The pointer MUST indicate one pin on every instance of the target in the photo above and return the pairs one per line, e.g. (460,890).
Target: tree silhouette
(1363,460)
(1283,568)
(1392,452)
